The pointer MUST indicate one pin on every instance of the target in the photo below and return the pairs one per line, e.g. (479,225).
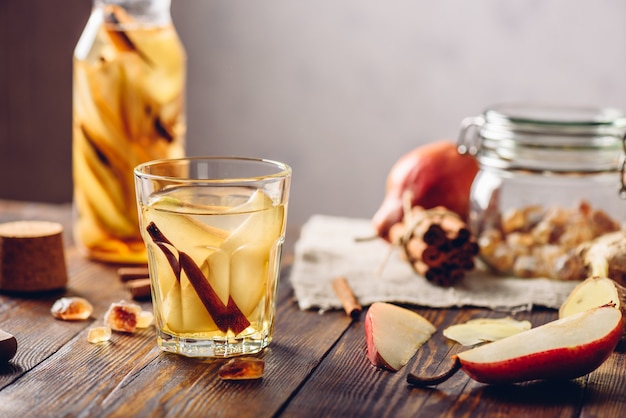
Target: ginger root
(605,259)
(606,256)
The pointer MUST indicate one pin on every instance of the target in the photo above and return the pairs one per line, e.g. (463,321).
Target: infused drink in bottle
(128,108)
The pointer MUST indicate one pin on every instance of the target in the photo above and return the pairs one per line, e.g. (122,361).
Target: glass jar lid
(545,138)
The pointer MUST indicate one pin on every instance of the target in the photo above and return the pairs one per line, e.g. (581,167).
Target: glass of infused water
(214,229)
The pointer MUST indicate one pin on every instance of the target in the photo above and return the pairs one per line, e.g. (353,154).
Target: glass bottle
(549,179)
(128,108)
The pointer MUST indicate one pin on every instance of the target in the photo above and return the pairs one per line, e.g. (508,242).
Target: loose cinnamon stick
(132,273)
(139,288)
(350,304)
(137,281)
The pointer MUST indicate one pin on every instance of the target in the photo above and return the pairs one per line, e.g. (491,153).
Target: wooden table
(316,366)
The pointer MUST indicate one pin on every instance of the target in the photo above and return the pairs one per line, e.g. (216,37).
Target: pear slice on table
(563,349)
(593,292)
(394,334)
(480,330)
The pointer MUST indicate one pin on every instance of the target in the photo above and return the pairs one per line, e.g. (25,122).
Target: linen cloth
(329,247)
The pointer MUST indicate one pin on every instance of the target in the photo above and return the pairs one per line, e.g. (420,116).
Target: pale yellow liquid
(128,109)
(236,241)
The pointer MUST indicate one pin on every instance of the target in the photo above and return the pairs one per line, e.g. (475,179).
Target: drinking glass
(214,229)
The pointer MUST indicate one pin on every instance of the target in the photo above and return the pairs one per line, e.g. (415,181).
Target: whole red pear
(435,174)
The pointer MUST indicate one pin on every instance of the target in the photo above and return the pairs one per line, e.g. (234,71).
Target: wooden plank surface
(315,367)
(101,378)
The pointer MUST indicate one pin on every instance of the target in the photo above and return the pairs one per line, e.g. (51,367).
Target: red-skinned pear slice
(559,350)
(482,330)
(563,349)
(394,334)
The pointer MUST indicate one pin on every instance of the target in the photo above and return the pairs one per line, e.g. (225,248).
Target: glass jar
(128,108)
(549,180)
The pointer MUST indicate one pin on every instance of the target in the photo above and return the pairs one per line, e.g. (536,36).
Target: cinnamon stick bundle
(437,243)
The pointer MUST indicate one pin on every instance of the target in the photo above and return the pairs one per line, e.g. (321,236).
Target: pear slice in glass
(173,219)
(249,247)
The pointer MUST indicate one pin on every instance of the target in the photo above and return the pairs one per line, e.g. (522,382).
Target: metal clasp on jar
(469,140)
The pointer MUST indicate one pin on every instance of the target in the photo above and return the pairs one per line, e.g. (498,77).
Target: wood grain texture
(104,376)
(316,365)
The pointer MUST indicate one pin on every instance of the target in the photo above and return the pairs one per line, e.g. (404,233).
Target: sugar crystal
(144,320)
(122,316)
(242,368)
(99,334)
(71,309)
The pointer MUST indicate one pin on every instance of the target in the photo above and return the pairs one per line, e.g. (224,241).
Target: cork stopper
(32,257)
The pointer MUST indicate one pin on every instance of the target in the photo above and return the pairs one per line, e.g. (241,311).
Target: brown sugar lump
(32,257)
(72,308)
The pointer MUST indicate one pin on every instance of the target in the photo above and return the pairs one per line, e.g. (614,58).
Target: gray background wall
(338,89)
